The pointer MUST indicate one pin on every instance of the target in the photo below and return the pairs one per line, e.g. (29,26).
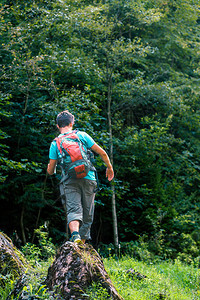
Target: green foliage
(45,243)
(97,292)
(32,252)
(39,258)
(44,250)
(74,55)
(159,247)
(34,287)
(8,165)
(7,283)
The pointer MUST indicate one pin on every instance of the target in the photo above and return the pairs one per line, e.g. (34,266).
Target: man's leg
(74,230)
(88,196)
(74,226)
(73,207)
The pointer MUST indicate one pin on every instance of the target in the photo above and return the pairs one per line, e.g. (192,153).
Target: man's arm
(51,166)
(109,171)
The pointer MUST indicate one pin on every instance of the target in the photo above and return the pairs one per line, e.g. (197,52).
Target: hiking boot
(75,238)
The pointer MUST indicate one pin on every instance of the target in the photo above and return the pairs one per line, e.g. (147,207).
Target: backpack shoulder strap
(58,140)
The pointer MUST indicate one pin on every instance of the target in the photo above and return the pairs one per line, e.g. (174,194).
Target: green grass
(33,288)
(165,280)
(6,285)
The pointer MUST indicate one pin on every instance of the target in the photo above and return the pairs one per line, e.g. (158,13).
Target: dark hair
(64,118)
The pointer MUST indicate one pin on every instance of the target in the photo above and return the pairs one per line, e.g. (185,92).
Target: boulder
(12,260)
(74,269)
(134,274)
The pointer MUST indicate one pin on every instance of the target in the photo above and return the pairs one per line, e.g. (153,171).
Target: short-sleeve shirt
(87,141)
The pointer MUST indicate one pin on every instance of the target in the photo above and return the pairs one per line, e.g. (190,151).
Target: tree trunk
(22,226)
(24,112)
(73,271)
(40,209)
(36,225)
(114,214)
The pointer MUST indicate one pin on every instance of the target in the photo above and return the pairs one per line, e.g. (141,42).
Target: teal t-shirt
(87,141)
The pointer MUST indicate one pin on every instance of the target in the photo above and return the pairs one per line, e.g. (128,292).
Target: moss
(12,260)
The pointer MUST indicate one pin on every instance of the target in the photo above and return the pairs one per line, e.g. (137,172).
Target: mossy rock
(12,260)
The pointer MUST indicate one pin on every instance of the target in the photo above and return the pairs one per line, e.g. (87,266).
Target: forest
(129,72)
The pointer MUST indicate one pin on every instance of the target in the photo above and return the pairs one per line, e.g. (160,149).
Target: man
(79,193)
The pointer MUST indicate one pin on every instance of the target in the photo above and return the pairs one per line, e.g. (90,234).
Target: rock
(74,269)
(135,274)
(12,260)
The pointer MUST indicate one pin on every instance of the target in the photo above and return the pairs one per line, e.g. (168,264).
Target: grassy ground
(164,280)
(156,280)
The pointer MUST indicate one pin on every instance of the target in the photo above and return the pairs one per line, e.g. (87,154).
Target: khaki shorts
(79,203)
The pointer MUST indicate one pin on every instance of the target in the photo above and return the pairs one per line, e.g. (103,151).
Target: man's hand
(109,174)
